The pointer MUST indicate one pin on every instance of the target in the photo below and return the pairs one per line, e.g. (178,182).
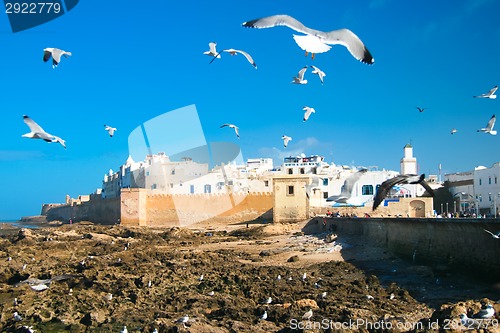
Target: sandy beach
(225,278)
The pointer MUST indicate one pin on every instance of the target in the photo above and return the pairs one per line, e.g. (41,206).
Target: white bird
(200,278)
(108,297)
(39,287)
(320,73)
(155,331)
(110,130)
(236,128)
(183,320)
(468,322)
(299,79)
(490,94)
(369,297)
(323,294)
(17,317)
(304,276)
(150,284)
(453,131)
(211,293)
(286,139)
(387,185)
(55,54)
(489,127)
(485,313)
(315,41)
(268,300)
(392,296)
(37,132)
(29,329)
(234,52)
(308,112)
(497,235)
(346,191)
(279,277)
(212,51)
(264,316)
(308,315)
(124,330)
(15,302)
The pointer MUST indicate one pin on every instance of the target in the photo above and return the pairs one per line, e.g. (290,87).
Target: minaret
(408,162)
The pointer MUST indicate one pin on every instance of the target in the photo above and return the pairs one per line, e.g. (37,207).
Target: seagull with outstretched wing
(387,185)
(316,41)
(37,132)
(55,54)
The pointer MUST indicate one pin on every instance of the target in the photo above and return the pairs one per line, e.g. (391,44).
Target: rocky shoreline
(102,278)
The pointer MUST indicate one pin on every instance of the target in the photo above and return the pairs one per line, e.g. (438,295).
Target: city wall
(103,211)
(143,209)
(457,244)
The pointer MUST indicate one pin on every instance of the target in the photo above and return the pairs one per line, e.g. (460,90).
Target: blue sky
(133,61)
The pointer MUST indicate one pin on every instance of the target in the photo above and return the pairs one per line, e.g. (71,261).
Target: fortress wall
(185,209)
(103,211)
(459,244)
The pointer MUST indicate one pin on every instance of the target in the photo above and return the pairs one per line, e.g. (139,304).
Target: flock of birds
(312,41)
(36,131)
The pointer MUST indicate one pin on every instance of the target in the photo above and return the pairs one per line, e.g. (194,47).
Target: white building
(487,188)
(160,175)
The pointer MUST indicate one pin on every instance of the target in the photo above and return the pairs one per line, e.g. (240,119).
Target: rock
(293,259)
(307,303)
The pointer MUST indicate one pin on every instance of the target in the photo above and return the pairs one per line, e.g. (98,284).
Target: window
(266,183)
(325,195)
(314,170)
(290,171)
(289,190)
(489,197)
(207,188)
(147,173)
(171,185)
(367,190)
(489,180)
(495,179)
(302,171)
(480,182)
(191,189)
(325,181)
(153,187)
(173,171)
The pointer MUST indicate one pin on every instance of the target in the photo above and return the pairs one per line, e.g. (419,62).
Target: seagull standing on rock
(55,54)
(316,41)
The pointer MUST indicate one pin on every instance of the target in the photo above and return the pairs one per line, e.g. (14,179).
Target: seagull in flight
(286,139)
(37,132)
(316,41)
(235,52)
(236,128)
(212,51)
(55,54)
(111,130)
(490,94)
(497,235)
(453,131)
(386,186)
(320,73)
(489,127)
(308,112)
(421,109)
(299,79)
(346,192)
